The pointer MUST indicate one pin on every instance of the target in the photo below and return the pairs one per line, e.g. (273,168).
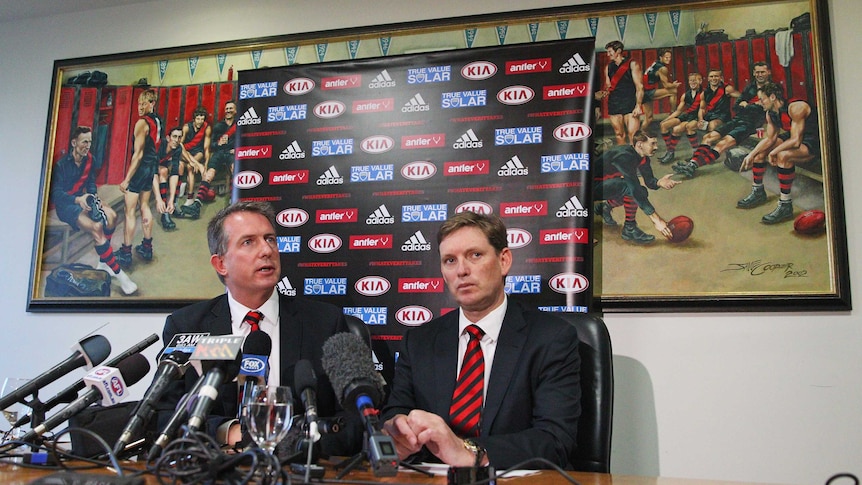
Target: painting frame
(436,35)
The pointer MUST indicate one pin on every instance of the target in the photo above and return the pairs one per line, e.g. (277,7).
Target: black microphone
(171,366)
(305,382)
(254,366)
(208,392)
(71,393)
(350,369)
(91,351)
(103,379)
(181,414)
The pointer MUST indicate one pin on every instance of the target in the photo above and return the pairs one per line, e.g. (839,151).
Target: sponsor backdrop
(364,159)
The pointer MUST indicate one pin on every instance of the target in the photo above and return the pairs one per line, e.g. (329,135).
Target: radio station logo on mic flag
(218,347)
(183,342)
(109,382)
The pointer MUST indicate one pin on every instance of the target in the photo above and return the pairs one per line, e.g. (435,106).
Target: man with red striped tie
(493,383)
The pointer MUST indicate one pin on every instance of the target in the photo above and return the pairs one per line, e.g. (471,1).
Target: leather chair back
(593,453)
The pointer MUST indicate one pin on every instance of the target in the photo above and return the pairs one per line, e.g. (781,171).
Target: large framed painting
(96,218)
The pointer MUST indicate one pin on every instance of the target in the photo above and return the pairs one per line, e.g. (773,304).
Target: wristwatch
(478,451)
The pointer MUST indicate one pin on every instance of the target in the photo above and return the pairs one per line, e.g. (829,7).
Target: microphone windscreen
(97,348)
(257,343)
(133,368)
(347,362)
(303,376)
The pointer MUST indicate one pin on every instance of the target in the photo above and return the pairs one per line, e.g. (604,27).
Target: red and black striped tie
(466,410)
(253,319)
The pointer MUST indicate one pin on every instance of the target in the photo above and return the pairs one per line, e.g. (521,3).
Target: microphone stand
(356,460)
(37,417)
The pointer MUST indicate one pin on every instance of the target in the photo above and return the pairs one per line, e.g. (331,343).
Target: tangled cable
(197,458)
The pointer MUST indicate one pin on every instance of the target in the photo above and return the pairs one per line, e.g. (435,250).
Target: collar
(490,323)
(238,311)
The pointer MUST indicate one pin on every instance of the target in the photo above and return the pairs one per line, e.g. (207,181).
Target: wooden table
(18,475)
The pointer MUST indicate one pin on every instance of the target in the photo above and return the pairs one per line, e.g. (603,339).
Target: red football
(681,227)
(810,222)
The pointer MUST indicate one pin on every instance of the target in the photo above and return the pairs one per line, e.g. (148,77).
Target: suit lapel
(513,336)
(445,363)
(289,326)
(218,321)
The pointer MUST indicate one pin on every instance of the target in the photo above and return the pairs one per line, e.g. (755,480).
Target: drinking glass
(269,415)
(16,409)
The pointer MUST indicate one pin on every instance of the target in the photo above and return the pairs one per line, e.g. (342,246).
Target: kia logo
(329,109)
(518,238)
(247,179)
(569,283)
(573,131)
(324,243)
(298,86)
(372,286)
(377,144)
(476,206)
(479,70)
(413,315)
(515,95)
(292,217)
(420,170)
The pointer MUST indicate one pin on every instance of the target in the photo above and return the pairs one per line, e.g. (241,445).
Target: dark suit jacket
(304,325)
(533,397)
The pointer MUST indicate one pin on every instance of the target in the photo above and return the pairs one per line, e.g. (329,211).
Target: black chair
(593,453)
(358,328)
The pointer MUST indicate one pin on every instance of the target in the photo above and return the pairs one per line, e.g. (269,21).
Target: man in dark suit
(245,256)
(528,369)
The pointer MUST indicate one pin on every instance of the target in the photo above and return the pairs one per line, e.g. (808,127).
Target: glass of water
(16,409)
(269,415)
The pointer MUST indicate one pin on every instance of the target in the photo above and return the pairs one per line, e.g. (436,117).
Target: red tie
(253,319)
(466,409)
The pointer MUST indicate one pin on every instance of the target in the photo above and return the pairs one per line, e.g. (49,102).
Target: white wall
(766,398)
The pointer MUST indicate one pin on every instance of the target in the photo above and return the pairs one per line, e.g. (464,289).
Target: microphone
(208,392)
(345,360)
(131,370)
(71,393)
(306,384)
(181,414)
(90,351)
(254,367)
(171,366)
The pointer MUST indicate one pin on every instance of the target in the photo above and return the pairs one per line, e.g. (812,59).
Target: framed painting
(90,224)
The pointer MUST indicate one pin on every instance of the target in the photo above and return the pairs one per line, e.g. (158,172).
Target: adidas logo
(573,208)
(513,168)
(380,216)
(250,117)
(383,80)
(575,64)
(378,366)
(330,177)
(285,288)
(292,152)
(415,104)
(467,140)
(417,242)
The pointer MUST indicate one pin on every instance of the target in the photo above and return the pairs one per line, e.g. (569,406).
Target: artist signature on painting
(759,268)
